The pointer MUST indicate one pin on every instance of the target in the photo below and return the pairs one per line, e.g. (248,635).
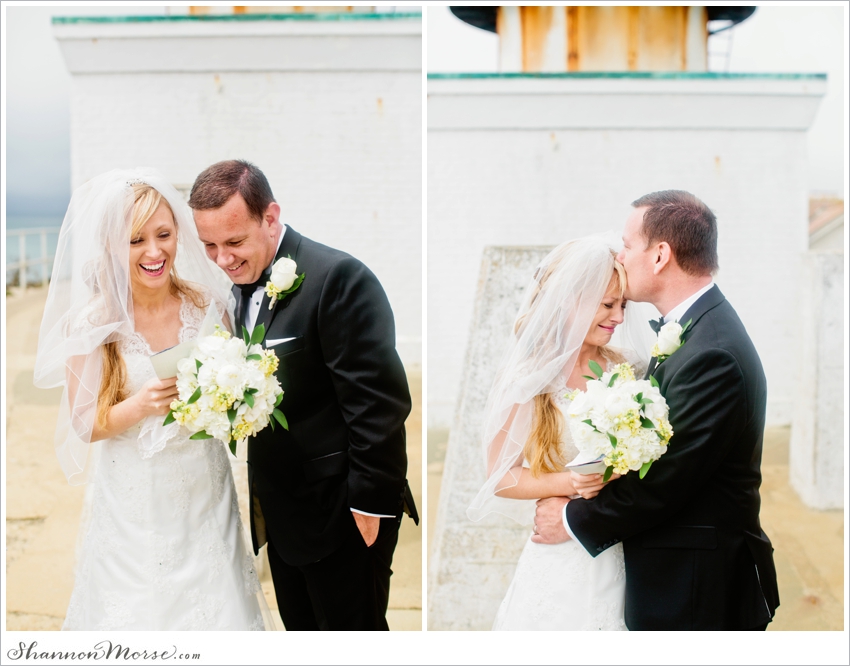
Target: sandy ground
(43,511)
(808,544)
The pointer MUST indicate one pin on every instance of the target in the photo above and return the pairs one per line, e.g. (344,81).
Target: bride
(569,314)
(161,543)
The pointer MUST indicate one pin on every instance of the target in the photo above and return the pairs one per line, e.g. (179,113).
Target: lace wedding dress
(561,587)
(163,547)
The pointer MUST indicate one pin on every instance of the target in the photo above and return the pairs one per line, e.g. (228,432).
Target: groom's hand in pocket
(368,526)
(548,521)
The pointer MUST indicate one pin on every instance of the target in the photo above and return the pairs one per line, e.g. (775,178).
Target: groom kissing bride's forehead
(328,494)
(696,557)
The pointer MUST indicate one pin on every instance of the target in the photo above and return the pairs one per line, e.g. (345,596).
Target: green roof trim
(720,76)
(330,16)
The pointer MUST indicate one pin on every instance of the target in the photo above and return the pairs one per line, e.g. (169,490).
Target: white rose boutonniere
(284,280)
(669,340)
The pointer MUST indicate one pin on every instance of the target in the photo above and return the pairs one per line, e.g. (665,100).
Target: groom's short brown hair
(216,184)
(686,224)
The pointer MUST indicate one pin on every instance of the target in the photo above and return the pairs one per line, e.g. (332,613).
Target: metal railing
(45,261)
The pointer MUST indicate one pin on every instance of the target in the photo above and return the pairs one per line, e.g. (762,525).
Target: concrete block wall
(818,430)
(471,564)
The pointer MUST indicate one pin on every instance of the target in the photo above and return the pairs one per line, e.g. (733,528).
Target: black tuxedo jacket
(696,556)
(345,399)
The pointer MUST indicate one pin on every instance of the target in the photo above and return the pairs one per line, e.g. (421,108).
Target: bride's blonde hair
(542,449)
(146,200)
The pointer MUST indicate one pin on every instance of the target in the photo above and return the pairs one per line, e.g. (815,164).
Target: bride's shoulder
(197,288)
(196,294)
(90,316)
(197,297)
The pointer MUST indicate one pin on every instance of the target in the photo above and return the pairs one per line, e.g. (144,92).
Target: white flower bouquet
(227,388)
(620,420)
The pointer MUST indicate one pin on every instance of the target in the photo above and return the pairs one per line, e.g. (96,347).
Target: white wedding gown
(163,547)
(561,587)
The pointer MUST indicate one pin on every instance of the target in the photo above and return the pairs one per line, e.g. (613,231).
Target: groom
(328,494)
(696,556)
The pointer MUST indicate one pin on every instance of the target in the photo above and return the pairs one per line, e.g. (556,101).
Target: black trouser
(347,590)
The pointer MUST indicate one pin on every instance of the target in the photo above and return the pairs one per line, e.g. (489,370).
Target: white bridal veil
(557,310)
(89,300)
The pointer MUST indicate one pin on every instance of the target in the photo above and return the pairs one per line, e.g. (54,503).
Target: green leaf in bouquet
(595,368)
(251,390)
(646,401)
(278,399)
(590,423)
(249,399)
(613,440)
(169,419)
(253,357)
(271,423)
(245,336)
(198,364)
(613,379)
(280,418)
(258,334)
(685,327)
(201,435)
(639,397)
(653,381)
(589,378)
(195,396)
(645,468)
(608,472)
(231,415)
(232,445)
(646,423)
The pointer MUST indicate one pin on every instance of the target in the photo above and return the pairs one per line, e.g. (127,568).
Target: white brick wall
(331,112)
(524,162)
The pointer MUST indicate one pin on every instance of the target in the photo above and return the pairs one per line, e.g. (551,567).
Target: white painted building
(525,159)
(328,106)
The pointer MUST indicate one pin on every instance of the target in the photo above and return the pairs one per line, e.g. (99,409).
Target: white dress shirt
(674,315)
(251,313)
(253,306)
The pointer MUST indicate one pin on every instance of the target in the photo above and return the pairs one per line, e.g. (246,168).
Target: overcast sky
(774,39)
(38,153)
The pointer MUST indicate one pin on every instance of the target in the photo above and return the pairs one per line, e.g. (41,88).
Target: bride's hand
(155,397)
(589,485)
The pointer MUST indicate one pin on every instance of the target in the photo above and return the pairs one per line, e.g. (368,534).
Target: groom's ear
(663,257)
(272,214)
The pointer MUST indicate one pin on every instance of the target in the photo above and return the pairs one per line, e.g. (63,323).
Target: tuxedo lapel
(238,315)
(288,248)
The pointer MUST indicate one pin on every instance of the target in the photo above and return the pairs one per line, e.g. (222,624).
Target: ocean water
(33,244)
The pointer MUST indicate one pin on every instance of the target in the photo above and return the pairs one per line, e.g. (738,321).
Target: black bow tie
(656,324)
(249,289)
